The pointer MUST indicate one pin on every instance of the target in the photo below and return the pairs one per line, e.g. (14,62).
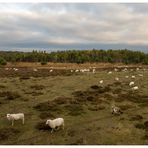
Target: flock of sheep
(59,122)
(53,124)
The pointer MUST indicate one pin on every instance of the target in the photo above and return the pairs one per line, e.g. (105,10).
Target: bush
(2,61)
(6,133)
(43,63)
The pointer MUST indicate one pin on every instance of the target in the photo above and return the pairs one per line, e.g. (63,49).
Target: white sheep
(12,117)
(116,69)
(15,69)
(58,122)
(110,72)
(135,88)
(51,70)
(94,70)
(124,70)
(140,75)
(117,79)
(126,77)
(133,77)
(35,69)
(131,83)
(101,81)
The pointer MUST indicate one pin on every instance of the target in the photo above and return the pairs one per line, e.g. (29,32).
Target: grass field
(80,100)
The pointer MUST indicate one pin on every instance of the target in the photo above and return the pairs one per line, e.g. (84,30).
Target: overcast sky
(73,26)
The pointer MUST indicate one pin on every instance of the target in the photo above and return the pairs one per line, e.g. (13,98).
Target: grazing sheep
(116,110)
(58,122)
(94,70)
(51,70)
(15,69)
(76,70)
(131,83)
(12,117)
(133,77)
(126,77)
(140,75)
(71,70)
(124,70)
(117,79)
(101,82)
(110,72)
(115,69)
(35,69)
(135,88)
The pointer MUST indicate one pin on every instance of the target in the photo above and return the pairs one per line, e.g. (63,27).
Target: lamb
(58,122)
(116,110)
(131,83)
(135,88)
(12,117)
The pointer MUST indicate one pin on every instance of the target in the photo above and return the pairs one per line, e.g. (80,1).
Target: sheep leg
(63,126)
(12,122)
(52,130)
(23,120)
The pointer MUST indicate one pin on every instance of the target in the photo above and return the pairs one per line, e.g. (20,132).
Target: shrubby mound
(8,132)
(136,117)
(42,126)
(9,95)
(37,87)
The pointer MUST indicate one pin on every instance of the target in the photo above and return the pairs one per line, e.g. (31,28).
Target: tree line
(76,56)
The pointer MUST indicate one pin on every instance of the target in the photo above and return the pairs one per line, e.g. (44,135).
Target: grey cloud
(73,25)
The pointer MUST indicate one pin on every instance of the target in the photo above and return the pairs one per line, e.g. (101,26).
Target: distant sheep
(110,72)
(126,77)
(12,117)
(101,81)
(133,77)
(94,70)
(35,69)
(58,122)
(15,69)
(140,75)
(116,69)
(131,83)
(117,79)
(135,88)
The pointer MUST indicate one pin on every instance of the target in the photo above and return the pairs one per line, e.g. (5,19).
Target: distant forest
(75,56)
